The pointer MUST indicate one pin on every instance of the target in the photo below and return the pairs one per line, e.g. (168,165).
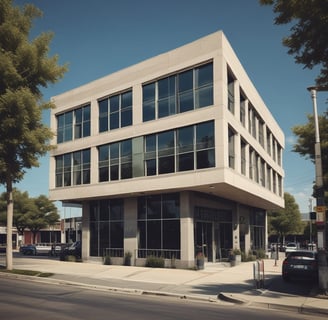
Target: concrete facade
(247,177)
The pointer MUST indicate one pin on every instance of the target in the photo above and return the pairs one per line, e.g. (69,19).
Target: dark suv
(301,263)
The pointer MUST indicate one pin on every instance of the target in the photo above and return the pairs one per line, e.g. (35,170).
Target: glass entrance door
(204,239)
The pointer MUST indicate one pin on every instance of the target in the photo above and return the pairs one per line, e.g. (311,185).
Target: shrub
(107,260)
(127,258)
(155,262)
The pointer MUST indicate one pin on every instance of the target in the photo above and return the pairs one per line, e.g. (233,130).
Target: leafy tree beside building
(286,221)
(25,68)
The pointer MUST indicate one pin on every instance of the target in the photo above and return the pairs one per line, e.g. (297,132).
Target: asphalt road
(20,299)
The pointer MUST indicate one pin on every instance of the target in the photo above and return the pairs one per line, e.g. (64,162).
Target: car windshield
(302,254)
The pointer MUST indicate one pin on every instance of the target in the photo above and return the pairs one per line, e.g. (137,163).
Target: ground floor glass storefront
(153,225)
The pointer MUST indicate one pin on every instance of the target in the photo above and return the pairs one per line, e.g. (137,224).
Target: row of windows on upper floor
(183,149)
(182,92)
(256,125)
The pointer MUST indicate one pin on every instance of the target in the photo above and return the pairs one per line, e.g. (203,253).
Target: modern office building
(175,154)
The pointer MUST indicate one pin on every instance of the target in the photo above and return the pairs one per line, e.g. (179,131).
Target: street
(20,299)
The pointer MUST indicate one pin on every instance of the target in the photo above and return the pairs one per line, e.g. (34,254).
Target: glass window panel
(78,131)
(148,92)
(61,121)
(103,152)
(166,165)
(114,172)
(77,178)
(148,111)
(154,207)
(103,115)
(171,205)
(114,120)
(205,159)
(142,206)
(60,135)
(114,151)
(68,118)
(116,209)
(186,101)
(186,81)
(185,139)
(151,167)
(126,170)
(86,113)
(150,143)
(116,235)
(205,135)
(86,129)
(142,235)
(59,180)
(78,115)
(163,108)
(103,124)
(103,237)
(126,118)
(204,97)
(126,99)
(104,210)
(94,239)
(166,142)
(103,174)
(163,88)
(154,234)
(114,103)
(86,176)
(204,75)
(171,234)
(68,133)
(186,161)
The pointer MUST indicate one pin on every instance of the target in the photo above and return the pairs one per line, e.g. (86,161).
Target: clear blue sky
(98,37)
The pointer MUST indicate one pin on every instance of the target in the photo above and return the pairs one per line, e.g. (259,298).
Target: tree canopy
(306,141)
(33,214)
(286,221)
(307,41)
(25,68)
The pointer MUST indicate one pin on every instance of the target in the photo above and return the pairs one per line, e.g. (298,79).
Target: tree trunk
(10,213)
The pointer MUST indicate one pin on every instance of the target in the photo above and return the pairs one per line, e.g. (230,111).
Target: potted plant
(235,257)
(200,260)
(127,258)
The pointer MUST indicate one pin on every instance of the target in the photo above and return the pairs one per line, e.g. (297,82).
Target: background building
(174,155)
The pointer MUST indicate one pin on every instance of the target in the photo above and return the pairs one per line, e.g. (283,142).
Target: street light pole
(318,162)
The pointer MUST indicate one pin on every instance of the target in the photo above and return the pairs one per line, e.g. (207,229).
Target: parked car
(72,250)
(290,247)
(28,249)
(300,263)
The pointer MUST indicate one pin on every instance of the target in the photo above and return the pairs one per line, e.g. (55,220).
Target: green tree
(44,216)
(306,141)
(30,213)
(286,221)
(309,32)
(25,68)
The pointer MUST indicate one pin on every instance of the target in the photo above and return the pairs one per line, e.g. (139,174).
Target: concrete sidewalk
(216,282)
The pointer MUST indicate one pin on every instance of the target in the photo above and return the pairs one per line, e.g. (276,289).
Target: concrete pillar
(186,231)
(85,230)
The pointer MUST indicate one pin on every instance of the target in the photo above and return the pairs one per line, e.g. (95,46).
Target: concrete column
(85,230)
(186,231)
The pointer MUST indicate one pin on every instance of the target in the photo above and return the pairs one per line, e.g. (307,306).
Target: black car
(300,263)
(73,250)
